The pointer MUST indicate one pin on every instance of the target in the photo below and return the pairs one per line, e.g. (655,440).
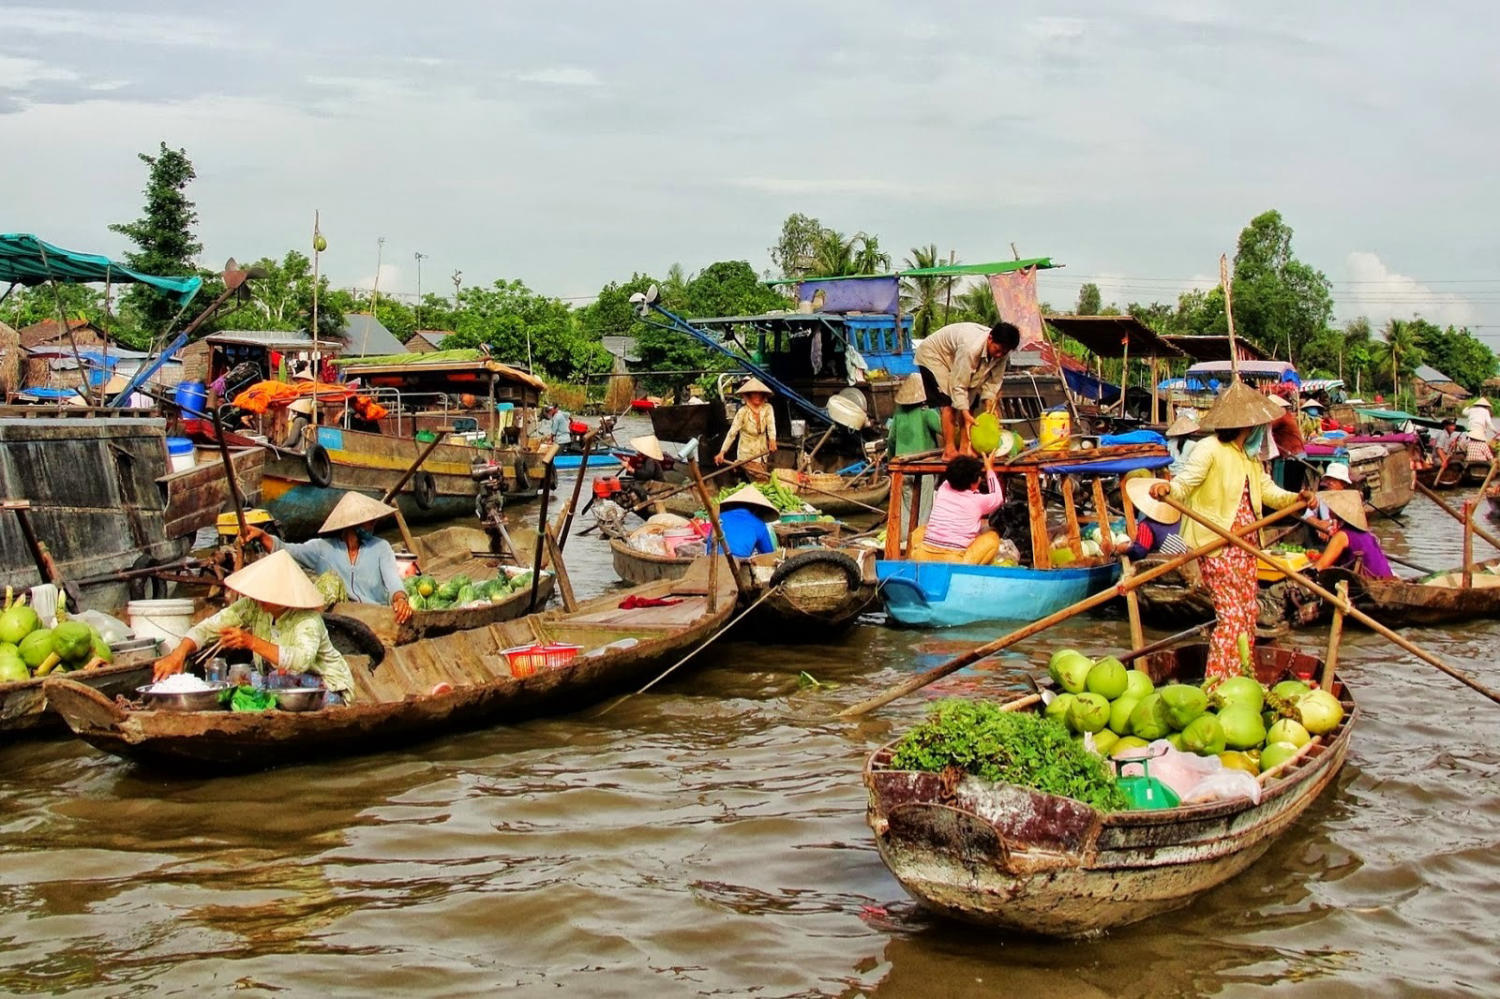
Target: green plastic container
(1145,793)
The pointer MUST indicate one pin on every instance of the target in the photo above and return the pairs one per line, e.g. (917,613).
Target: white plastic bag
(1224,785)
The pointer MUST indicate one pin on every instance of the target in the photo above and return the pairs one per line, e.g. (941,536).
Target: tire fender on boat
(424,489)
(319,465)
(798,561)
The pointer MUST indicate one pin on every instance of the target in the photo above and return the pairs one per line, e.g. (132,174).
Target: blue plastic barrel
(191,398)
(178,446)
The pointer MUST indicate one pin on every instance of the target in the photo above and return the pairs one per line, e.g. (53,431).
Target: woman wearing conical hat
(346,547)
(754,424)
(1350,545)
(1223,480)
(278,618)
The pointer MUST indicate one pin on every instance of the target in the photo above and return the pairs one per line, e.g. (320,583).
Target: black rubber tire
(424,489)
(799,560)
(319,465)
(145,587)
(351,636)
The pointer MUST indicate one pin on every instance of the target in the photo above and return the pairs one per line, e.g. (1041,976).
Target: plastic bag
(110,629)
(1178,770)
(1224,785)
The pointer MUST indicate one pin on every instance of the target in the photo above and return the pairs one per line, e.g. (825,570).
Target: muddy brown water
(708,838)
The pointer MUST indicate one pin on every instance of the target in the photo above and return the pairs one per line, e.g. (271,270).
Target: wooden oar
(1334,600)
(825,492)
(1168,642)
(1446,508)
(1088,603)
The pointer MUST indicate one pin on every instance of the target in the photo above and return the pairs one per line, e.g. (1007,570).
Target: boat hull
(944,595)
(24,710)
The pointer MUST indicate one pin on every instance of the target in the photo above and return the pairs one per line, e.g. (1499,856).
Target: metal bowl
(196,700)
(301,698)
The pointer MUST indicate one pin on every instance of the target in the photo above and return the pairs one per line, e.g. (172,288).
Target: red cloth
(1230,577)
(632,602)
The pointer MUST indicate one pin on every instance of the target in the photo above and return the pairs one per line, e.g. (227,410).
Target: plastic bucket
(191,398)
(799,428)
(180,456)
(1055,430)
(167,620)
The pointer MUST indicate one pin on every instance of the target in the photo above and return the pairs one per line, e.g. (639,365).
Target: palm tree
(979,302)
(1399,354)
(833,256)
(869,259)
(919,295)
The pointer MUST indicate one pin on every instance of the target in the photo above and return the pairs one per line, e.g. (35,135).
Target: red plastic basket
(525,660)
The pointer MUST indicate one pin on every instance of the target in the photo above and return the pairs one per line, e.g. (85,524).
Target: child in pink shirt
(957,530)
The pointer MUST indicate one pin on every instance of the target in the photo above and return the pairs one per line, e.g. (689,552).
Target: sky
(569,144)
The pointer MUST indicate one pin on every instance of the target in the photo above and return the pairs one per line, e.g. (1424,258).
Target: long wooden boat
(1384,469)
(23,705)
(425,689)
(809,592)
(846,502)
(1009,857)
(1437,599)
(947,595)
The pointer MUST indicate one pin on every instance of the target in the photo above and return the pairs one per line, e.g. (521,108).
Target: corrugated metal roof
(271,339)
(1431,375)
(366,336)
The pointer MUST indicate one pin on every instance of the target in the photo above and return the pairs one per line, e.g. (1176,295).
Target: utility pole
(375,287)
(418,256)
(458,280)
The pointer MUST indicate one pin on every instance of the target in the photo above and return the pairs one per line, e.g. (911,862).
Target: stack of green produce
(772,489)
(427,594)
(1014,747)
(27,649)
(1247,726)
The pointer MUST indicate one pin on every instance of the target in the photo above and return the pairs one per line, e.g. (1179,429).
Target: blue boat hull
(597,460)
(943,595)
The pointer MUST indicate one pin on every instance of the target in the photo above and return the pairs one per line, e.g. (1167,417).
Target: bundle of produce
(773,489)
(428,594)
(27,649)
(1013,747)
(1238,720)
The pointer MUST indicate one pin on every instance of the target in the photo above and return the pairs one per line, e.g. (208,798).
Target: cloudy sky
(567,144)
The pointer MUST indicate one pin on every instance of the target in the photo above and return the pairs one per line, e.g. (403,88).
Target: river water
(708,838)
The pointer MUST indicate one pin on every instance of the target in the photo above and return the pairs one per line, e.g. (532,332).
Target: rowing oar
(800,486)
(1168,642)
(1443,505)
(1088,603)
(1334,600)
(1321,475)
(234,492)
(689,484)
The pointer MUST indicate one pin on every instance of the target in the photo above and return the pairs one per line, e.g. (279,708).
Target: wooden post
(1132,606)
(1446,508)
(1155,393)
(1070,515)
(541,530)
(1335,636)
(1041,544)
(1129,509)
(893,547)
(913,518)
(719,539)
(1101,517)
(583,466)
(1468,544)
(564,584)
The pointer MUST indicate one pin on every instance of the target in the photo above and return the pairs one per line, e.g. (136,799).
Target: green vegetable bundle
(773,490)
(1012,747)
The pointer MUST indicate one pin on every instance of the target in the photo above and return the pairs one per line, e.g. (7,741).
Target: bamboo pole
(1468,544)
(1336,601)
(1020,634)
(1448,509)
(1132,606)
(1335,636)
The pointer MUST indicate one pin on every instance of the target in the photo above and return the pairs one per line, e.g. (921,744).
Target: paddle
(1168,642)
(1103,596)
(1334,600)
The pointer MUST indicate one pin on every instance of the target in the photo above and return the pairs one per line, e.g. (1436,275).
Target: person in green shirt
(913,429)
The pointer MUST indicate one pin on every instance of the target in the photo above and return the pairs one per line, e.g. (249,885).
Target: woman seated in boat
(1335,478)
(1224,482)
(744,517)
(754,425)
(1350,544)
(347,548)
(958,529)
(277,619)
(1158,527)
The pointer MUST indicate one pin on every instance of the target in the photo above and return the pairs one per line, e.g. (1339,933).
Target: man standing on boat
(961,364)
(556,428)
(347,548)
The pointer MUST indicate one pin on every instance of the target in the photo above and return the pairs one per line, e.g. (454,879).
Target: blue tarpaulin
(1116,467)
(1133,437)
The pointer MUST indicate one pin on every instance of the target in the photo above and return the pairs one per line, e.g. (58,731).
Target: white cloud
(562,76)
(1376,291)
(18,72)
(149,29)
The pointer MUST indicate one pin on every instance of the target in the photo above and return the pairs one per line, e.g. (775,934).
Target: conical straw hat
(751,499)
(648,446)
(1239,406)
(1279,402)
(1481,401)
(1347,505)
(1182,426)
(353,510)
(276,579)
(911,391)
(1139,491)
(753,384)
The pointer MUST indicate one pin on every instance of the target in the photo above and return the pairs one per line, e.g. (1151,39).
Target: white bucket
(167,620)
(799,428)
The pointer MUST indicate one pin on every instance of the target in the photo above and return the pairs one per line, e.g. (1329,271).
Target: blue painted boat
(597,460)
(945,595)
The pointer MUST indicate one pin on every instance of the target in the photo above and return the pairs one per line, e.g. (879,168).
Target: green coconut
(18,622)
(1107,678)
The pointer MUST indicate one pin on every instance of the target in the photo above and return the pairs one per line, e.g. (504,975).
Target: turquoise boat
(945,595)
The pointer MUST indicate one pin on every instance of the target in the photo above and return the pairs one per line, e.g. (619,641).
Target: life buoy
(319,465)
(424,489)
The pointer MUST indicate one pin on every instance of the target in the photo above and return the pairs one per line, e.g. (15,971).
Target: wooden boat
(23,705)
(1437,599)
(425,689)
(444,554)
(944,594)
(1179,598)
(816,592)
(1005,856)
(847,502)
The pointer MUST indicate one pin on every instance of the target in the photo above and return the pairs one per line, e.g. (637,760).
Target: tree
(729,288)
(165,244)
(1457,353)
(33,305)
(1278,300)
(1089,300)
(1398,355)
(282,298)
(977,303)
(837,255)
(795,251)
(521,326)
(922,295)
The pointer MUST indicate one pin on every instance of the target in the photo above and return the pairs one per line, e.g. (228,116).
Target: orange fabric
(263,395)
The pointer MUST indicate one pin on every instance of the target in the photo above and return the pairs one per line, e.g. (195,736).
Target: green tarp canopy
(24,259)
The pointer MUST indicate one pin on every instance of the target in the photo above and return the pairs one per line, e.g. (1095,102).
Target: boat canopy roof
(1263,371)
(27,260)
(798,320)
(461,368)
(1215,348)
(942,270)
(1112,336)
(1322,384)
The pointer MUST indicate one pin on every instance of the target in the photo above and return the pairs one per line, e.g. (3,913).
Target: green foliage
(795,251)
(1089,300)
(1012,747)
(164,239)
(33,305)
(1279,302)
(1457,353)
(924,297)
(517,324)
(283,298)
(835,255)
(976,304)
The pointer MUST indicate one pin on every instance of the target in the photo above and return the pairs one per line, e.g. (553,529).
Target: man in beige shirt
(963,364)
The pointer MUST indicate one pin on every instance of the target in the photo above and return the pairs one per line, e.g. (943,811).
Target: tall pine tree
(164,239)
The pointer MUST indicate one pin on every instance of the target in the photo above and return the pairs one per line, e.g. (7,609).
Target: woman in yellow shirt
(1223,480)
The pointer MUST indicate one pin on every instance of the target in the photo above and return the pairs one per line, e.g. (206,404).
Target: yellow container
(229,525)
(1266,574)
(1056,428)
